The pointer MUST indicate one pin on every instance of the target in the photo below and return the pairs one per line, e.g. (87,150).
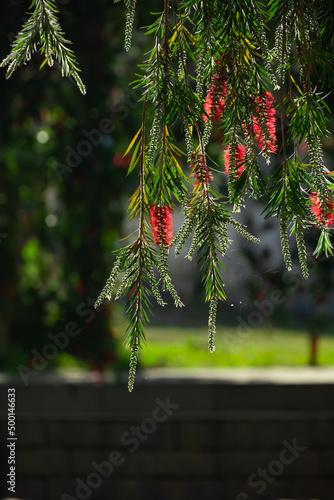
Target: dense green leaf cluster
(224,47)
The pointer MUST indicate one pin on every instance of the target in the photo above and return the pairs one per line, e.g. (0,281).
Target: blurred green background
(63,194)
(60,224)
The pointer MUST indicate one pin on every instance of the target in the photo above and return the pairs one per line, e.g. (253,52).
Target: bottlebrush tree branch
(214,71)
(227,44)
(42,31)
(137,264)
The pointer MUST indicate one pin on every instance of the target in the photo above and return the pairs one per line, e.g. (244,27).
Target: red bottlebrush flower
(265,119)
(324,216)
(240,155)
(216,97)
(162,225)
(200,169)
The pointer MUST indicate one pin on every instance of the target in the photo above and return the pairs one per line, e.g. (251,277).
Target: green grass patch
(187,347)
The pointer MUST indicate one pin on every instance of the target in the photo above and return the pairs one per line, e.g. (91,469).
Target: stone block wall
(175,437)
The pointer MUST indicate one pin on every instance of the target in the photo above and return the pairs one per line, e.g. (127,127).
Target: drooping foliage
(257,71)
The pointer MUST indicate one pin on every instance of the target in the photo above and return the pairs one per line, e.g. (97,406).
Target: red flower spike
(162,225)
(265,116)
(240,155)
(324,216)
(216,97)
(200,170)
